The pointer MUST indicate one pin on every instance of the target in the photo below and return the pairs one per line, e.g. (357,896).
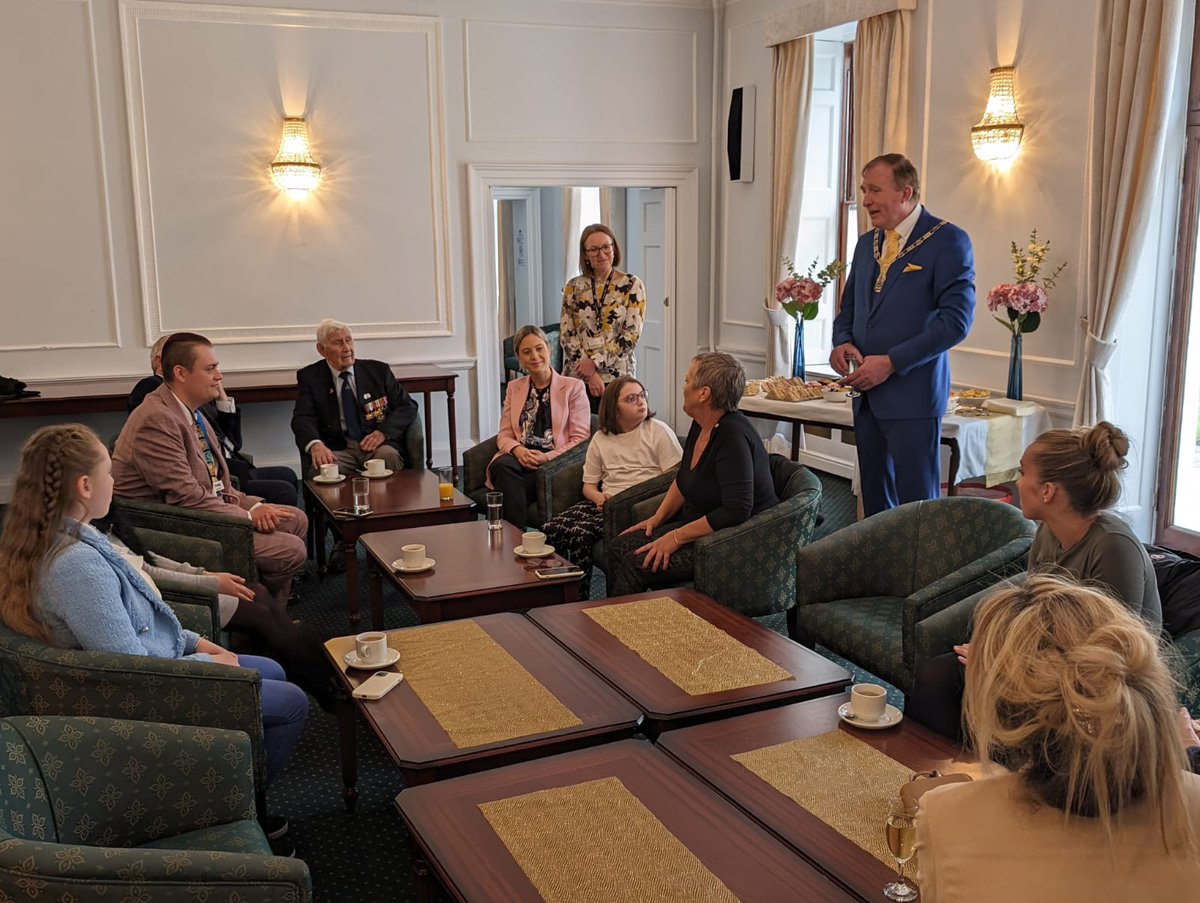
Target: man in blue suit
(909,299)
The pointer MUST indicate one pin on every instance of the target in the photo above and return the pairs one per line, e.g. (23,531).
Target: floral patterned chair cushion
(141,811)
(924,556)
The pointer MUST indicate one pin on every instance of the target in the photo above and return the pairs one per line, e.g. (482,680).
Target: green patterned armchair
(36,679)
(750,567)
(216,542)
(865,591)
(96,808)
(559,482)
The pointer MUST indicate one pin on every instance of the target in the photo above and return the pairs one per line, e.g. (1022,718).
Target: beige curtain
(504,275)
(880,90)
(1136,54)
(572,210)
(789,146)
(606,207)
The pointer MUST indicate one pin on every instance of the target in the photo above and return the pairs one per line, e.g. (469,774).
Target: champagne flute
(851,366)
(901,832)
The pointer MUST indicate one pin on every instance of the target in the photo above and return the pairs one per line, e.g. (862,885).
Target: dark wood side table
(666,705)
(706,750)
(422,749)
(477,572)
(474,864)
(408,498)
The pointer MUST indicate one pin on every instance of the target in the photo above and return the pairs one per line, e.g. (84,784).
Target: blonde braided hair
(52,461)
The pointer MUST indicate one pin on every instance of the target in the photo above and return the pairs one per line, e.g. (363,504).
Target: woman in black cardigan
(723,479)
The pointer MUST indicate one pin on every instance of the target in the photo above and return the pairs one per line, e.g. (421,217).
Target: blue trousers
(284,708)
(898,460)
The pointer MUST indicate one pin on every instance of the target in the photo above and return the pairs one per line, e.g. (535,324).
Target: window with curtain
(1179,459)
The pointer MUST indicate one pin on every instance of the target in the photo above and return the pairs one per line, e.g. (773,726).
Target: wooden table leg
(375,588)
(347,719)
(797,431)
(453,430)
(424,881)
(428,431)
(350,550)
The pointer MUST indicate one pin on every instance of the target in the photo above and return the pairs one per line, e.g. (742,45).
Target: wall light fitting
(997,137)
(294,170)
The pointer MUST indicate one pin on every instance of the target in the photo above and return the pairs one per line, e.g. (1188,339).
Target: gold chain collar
(877,250)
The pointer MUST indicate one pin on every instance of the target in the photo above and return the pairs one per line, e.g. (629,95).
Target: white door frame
(682,246)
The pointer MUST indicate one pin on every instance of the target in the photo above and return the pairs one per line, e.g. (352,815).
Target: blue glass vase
(1014,368)
(798,349)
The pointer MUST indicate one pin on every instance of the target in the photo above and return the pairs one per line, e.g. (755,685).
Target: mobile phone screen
(558,572)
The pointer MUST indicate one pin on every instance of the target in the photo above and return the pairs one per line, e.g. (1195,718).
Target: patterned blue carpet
(363,857)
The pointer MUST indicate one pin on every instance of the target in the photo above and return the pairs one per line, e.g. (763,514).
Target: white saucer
(545,553)
(399,565)
(352,661)
(320,479)
(377,476)
(891,717)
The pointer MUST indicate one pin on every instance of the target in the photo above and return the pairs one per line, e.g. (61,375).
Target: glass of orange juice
(445,477)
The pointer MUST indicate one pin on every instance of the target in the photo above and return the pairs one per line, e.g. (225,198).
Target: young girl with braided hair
(63,583)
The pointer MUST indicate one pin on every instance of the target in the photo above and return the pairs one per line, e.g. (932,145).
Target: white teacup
(329,471)
(375,467)
(371,647)
(413,555)
(534,542)
(868,702)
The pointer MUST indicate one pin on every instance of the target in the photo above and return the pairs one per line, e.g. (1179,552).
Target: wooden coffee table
(474,864)
(407,499)
(424,752)
(706,749)
(477,572)
(666,705)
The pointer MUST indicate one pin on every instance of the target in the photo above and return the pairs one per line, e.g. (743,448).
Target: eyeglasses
(600,249)
(634,397)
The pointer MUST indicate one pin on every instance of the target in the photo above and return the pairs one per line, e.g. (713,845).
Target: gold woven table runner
(478,693)
(596,842)
(839,779)
(690,652)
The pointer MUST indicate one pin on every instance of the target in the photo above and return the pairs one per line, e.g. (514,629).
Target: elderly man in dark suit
(167,453)
(909,299)
(348,411)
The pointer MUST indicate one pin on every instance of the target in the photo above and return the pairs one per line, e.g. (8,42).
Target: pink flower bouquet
(1025,300)
(798,295)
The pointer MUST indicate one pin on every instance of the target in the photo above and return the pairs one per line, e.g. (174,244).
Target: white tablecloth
(990,447)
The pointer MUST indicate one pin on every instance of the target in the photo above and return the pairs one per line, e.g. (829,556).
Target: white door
(648,256)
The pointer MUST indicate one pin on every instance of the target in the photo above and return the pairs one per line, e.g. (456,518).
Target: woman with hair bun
(1068,479)
(1067,691)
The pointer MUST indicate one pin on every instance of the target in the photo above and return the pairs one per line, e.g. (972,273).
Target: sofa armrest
(941,631)
(620,511)
(197,610)
(475,463)
(1007,561)
(560,482)
(234,534)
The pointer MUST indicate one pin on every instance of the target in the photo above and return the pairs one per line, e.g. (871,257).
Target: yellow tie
(891,250)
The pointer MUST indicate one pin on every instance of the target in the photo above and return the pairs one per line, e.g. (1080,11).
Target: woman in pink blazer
(545,414)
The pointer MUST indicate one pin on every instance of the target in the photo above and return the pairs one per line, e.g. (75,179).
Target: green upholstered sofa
(750,567)
(867,591)
(95,808)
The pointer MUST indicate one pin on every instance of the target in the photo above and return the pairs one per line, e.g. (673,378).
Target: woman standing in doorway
(602,313)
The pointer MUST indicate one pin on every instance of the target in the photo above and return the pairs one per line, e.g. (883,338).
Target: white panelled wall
(136,197)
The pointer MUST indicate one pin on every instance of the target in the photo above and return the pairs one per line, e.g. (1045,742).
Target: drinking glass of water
(851,366)
(495,510)
(362,495)
(901,830)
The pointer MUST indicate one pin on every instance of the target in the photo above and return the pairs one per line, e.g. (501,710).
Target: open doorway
(536,247)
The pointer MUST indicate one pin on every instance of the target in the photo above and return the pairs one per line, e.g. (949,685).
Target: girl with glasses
(602,314)
(630,448)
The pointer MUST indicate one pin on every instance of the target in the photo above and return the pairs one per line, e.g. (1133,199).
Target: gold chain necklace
(878,252)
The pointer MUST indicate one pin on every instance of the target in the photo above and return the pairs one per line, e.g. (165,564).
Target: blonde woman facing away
(1066,689)
(630,448)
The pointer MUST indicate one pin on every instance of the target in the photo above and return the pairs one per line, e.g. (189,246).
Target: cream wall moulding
(294,170)
(817,15)
(997,137)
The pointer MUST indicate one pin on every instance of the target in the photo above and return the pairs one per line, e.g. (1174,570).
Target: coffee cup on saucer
(329,471)
(375,467)
(534,542)
(412,555)
(371,647)
(868,702)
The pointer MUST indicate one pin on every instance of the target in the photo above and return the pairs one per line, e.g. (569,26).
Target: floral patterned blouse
(602,320)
